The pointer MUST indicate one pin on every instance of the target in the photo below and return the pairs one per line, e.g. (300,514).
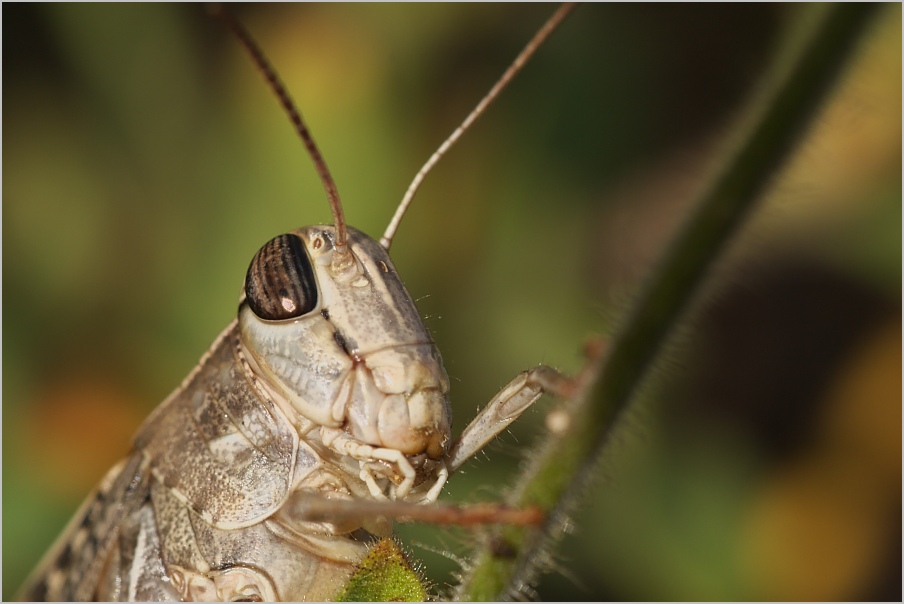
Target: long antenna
(329,185)
(514,68)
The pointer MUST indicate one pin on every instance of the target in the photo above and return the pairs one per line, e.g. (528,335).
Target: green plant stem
(560,473)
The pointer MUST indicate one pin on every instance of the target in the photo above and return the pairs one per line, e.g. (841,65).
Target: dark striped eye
(280,282)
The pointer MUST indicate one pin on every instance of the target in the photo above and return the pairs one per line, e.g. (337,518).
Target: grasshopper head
(343,342)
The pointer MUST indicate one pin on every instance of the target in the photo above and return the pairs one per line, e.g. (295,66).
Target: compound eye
(280,283)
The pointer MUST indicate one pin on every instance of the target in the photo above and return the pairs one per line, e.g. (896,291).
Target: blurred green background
(144,162)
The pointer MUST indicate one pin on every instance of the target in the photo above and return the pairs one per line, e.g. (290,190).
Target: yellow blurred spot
(856,141)
(864,408)
(326,66)
(818,530)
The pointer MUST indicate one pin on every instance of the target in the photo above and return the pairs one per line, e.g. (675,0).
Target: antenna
(511,72)
(329,185)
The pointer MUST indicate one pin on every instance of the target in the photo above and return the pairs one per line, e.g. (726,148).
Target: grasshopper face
(344,347)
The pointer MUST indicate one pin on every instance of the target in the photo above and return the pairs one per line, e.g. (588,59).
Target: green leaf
(385,575)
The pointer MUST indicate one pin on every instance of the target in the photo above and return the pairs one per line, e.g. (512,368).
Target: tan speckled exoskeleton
(327,386)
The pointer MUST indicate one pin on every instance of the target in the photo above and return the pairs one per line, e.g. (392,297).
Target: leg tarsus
(505,407)
(516,397)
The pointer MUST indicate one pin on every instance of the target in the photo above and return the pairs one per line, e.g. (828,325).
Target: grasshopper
(327,386)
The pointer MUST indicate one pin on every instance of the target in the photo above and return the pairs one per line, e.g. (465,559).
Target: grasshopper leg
(504,408)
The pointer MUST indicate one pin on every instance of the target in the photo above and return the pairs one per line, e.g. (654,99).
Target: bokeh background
(144,162)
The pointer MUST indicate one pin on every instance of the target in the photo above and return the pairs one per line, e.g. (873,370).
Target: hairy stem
(512,557)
